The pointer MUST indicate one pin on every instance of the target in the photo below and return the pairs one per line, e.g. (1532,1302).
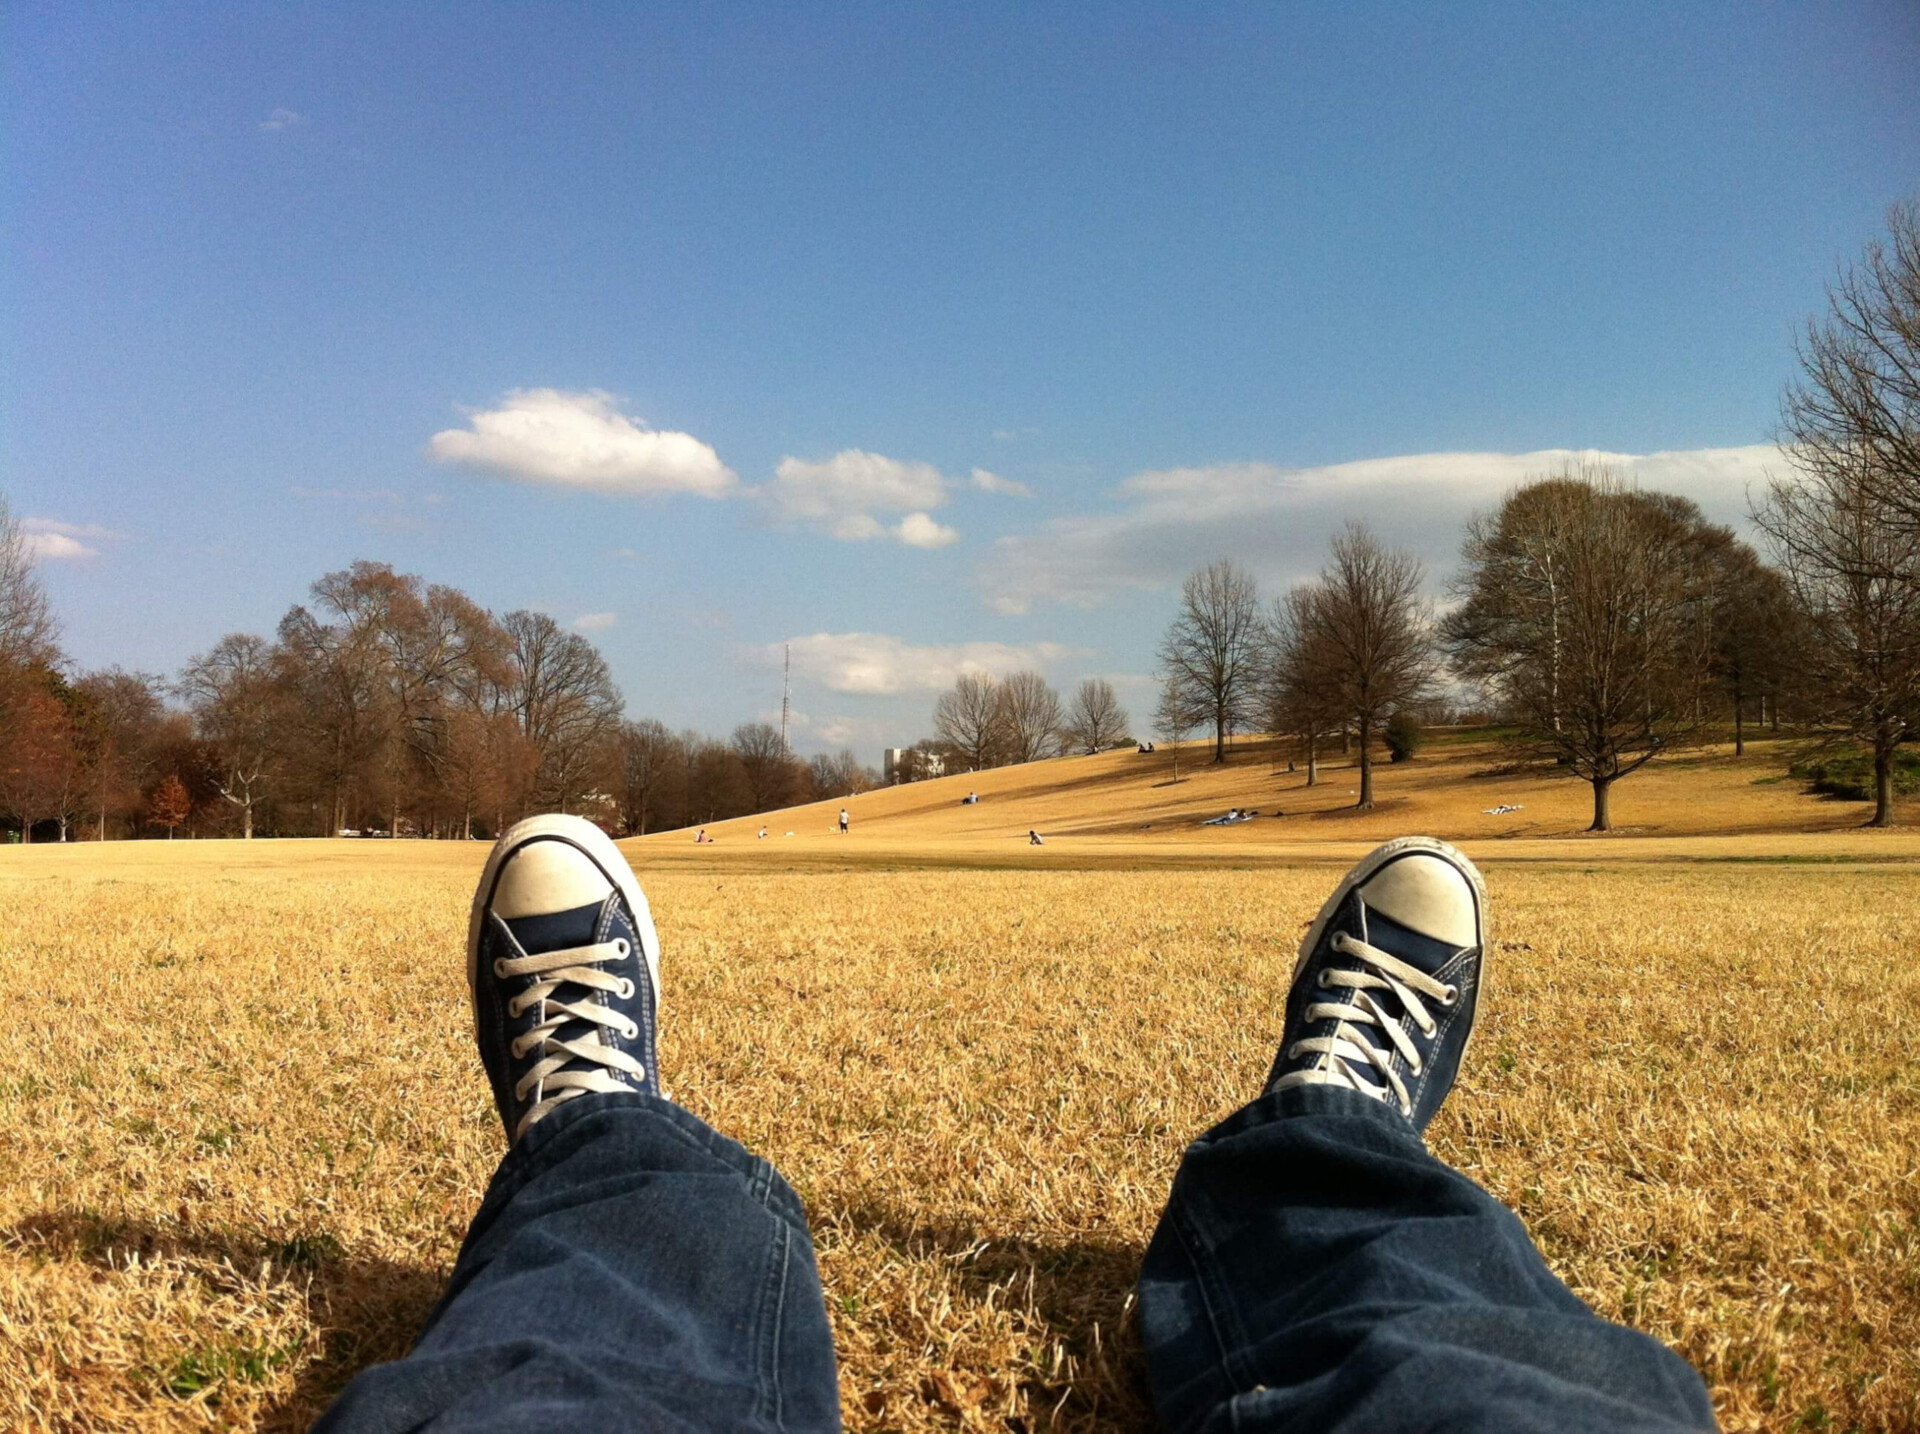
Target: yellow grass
(242,1127)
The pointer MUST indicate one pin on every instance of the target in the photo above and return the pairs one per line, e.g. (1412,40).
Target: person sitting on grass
(1316,1266)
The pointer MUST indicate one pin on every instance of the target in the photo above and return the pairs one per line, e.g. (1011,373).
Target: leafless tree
(1096,720)
(645,757)
(566,701)
(1298,687)
(1853,563)
(1174,716)
(770,772)
(969,718)
(1603,664)
(120,714)
(1211,650)
(1850,421)
(1030,717)
(839,774)
(27,631)
(235,703)
(1366,620)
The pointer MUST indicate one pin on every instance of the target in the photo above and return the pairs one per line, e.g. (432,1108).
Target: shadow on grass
(368,1310)
(1079,1292)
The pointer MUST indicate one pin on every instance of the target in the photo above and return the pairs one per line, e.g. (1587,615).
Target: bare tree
(1096,719)
(565,699)
(1851,420)
(1210,651)
(645,759)
(839,774)
(1758,639)
(1605,671)
(235,702)
(120,715)
(969,718)
(27,630)
(1854,566)
(1298,686)
(1175,716)
(1030,717)
(768,768)
(1366,621)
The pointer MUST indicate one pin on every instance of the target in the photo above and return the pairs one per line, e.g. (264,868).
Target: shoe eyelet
(1428,1029)
(519,1051)
(1415,1067)
(625,991)
(1452,998)
(514,1009)
(623,948)
(500,967)
(633,1030)
(1321,981)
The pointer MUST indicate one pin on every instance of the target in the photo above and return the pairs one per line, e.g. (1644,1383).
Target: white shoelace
(1345,1052)
(550,1084)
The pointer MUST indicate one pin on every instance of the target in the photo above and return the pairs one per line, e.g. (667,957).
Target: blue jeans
(1316,1268)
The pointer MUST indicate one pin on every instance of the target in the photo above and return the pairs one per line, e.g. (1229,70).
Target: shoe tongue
(1406,944)
(556,931)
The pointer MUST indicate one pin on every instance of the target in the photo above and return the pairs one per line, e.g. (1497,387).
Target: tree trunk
(1602,805)
(1739,727)
(1883,787)
(1773,713)
(1313,758)
(246,820)
(1346,740)
(1219,740)
(1366,764)
(103,824)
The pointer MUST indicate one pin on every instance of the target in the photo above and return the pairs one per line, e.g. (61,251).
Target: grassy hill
(1127,805)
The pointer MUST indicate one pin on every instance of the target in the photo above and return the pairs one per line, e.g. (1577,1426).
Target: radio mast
(786,694)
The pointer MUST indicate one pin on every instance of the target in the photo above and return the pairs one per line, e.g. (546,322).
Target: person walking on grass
(843,821)
(630,1268)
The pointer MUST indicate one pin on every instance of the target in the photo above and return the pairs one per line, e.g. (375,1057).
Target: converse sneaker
(564,967)
(1384,991)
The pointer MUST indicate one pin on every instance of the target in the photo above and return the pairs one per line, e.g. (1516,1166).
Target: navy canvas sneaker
(1388,978)
(564,967)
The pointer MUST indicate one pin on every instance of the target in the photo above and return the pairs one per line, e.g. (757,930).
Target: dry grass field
(242,1127)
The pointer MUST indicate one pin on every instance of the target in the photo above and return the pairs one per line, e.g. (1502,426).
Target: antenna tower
(786,695)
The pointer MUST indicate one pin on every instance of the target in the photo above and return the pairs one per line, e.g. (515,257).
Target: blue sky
(925,337)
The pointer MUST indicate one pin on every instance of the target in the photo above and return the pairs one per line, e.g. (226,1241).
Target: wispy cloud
(53,540)
(994,483)
(1277,520)
(282,119)
(880,665)
(582,440)
(594,621)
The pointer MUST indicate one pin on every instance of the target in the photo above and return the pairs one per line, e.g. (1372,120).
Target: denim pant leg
(1317,1269)
(630,1268)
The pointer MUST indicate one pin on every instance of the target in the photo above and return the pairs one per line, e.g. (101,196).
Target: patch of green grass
(1847,774)
(200,1369)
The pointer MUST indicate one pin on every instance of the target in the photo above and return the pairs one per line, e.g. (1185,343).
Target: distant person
(701,837)
(972,799)
(843,821)
(763,833)
(1033,838)
(1316,1268)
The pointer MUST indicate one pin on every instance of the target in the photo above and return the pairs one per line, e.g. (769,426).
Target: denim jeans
(1315,1269)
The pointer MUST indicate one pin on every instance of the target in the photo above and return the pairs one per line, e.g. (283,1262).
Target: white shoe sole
(601,851)
(1362,873)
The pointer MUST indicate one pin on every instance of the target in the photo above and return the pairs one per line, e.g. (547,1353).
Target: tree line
(1605,625)
(383,704)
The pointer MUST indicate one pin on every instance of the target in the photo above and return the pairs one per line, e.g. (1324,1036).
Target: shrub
(1848,774)
(1403,736)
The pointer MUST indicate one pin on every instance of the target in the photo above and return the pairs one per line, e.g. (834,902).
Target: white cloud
(282,119)
(876,664)
(52,539)
(840,495)
(1277,520)
(58,545)
(918,530)
(994,483)
(594,621)
(581,440)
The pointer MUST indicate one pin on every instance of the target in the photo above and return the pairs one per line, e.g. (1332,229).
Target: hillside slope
(1451,790)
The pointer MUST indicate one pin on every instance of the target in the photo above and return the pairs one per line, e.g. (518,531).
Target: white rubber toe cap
(544,877)
(1427,894)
